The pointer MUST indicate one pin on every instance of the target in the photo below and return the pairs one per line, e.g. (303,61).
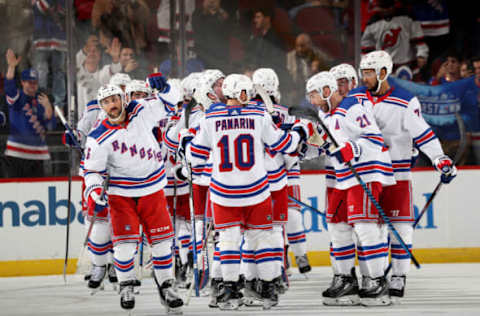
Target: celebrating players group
(214,160)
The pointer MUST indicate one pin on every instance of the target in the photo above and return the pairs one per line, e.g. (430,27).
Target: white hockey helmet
(120,79)
(321,80)
(234,84)
(210,76)
(108,90)
(190,83)
(377,60)
(345,71)
(137,86)
(268,80)
(201,95)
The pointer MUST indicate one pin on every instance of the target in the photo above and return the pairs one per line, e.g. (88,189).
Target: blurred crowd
(431,41)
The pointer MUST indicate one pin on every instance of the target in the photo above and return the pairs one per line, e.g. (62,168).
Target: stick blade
(301,112)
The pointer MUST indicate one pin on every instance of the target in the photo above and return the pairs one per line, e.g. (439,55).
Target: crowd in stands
(431,42)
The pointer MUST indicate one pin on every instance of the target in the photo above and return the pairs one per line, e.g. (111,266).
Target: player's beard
(373,89)
(115,118)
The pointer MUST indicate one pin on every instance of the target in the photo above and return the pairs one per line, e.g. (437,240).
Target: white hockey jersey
(349,121)
(274,161)
(399,117)
(129,153)
(400,36)
(235,137)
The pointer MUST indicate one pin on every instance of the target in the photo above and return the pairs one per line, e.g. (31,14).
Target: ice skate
(112,276)
(127,296)
(374,292)
(169,298)
(214,291)
(229,297)
(251,293)
(343,291)
(269,295)
(281,286)
(396,287)
(303,264)
(95,283)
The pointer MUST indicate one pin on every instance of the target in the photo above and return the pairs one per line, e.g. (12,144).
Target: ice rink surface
(435,289)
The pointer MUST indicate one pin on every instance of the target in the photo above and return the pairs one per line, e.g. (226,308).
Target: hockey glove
(304,128)
(445,166)
(180,172)
(185,136)
(71,139)
(3,119)
(157,81)
(415,155)
(276,118)
(95,201)
(346,152)
(318,138)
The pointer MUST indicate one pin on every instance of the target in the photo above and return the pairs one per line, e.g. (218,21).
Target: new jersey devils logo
(391,38)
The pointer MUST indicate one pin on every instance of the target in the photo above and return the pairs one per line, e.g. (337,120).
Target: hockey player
(124,146)
(398,114)
(346,77)
(121,80)
(348,208)
(235,135)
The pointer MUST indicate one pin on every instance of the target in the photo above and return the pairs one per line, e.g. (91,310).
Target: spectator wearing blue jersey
(30,115)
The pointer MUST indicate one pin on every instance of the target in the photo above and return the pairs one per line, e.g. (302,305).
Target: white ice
(435,289)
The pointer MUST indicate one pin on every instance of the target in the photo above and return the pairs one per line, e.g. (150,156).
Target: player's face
(217,87)
(369,78)
(112,105)
(243,96)
(343,86)
(138,95)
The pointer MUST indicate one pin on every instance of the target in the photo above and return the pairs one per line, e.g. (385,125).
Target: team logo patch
(282,216)
(269,217)
(127,227)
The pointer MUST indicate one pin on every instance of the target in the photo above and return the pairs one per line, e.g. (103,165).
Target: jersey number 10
(242,162)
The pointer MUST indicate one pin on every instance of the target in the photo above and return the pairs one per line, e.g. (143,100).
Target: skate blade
(377,301)
(96,290)
(349,300)
(252,302)
(229,306)
(174,310)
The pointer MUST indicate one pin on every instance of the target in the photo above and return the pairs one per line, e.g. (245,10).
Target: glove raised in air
(157,81)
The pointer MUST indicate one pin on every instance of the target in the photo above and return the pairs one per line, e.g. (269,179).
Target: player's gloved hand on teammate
(180,172)
(157,81)
(71,138)
(276,118)
(96,202)
(346,152)
(304,128)
(185,136)
(445,166)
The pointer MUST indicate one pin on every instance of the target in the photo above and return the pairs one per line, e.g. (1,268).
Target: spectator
(90,76)
(392,30)
(16,30)
(211,46)
(136,69)
(466,69)
(301,62)
(30,115)
(81,55)
(265,48)
(476,135)
(50,46)
(449,70)
(125,19)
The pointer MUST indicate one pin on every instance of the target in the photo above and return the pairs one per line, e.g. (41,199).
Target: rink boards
(33,218)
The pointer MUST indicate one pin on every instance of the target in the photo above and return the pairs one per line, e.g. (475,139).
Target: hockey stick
(291,198)
(194,233)
(204,244)
(94,217)
(461,150)
(76,144)
(266,98)
(314,116)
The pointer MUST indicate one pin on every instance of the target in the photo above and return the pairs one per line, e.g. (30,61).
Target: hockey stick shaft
(291,198)
(372,198)
(194,231)
(94,217)
(458,155)
(68,127)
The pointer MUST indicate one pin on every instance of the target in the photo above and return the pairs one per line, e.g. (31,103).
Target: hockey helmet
(234,84)
(319,81)
(345,71)
(189,83)
(108,90)
(377,60)
(137,86)
(210,76)
(268,80)
(120,79)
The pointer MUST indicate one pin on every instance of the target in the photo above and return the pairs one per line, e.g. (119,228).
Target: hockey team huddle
(215,159)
